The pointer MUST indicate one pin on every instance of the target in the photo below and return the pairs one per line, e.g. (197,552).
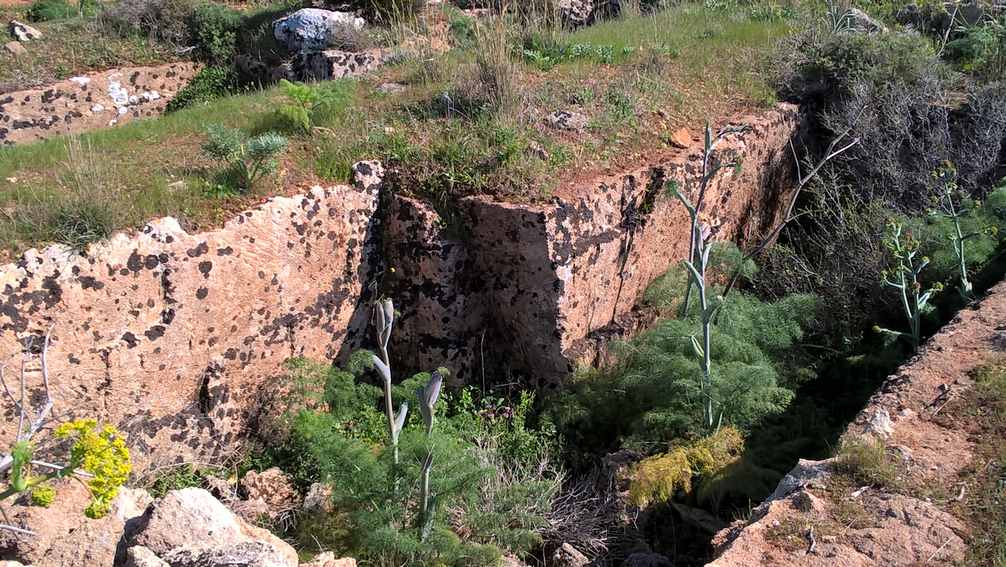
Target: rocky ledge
(185,528)
(89,102)
(893,527)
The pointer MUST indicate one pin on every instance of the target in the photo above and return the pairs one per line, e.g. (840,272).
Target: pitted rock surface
(173,336)
(530,285)
(336,64)
(90,102)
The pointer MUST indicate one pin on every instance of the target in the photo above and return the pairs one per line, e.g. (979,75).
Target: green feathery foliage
(489,473)
(652,394)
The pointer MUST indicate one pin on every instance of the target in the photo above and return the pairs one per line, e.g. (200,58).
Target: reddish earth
(915,521)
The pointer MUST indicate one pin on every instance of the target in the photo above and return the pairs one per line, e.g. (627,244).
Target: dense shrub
(214,29)
(493,472)
(650,396)
(816,66)
(165,20)
(981,49)
(210,83)
(46,10)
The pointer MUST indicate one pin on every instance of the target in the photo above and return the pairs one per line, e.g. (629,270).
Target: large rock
(858,20)
(191,528)
(312,29)
(139,556)
(270,493)
(332,64)
(23,32)
(64,536)
(172,336)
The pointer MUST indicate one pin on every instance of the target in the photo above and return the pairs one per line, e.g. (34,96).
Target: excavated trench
(179,338)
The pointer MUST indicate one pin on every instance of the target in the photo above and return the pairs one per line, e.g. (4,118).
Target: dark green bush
(47,10)
(650,395)
(214,28)
(816,66)
(491,471)
(165,20)
(210,83)
(981,50)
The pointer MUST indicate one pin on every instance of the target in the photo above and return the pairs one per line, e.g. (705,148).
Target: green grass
(72,47)
(985,509)
(866,462)
(655,74)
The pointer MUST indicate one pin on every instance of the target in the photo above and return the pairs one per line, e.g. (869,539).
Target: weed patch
(866,462)
(985,507)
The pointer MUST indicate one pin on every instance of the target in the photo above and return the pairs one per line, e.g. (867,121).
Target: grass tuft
(865,461)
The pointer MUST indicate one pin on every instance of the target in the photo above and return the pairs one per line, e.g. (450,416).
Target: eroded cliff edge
(912,417)
(180,338)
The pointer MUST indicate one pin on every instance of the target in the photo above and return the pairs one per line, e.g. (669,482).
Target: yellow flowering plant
(98,451)
(102,452)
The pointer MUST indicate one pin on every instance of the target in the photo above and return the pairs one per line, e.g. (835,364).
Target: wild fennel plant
(384,319)
(428,396)
(953,207)
(904,277)
(701,236)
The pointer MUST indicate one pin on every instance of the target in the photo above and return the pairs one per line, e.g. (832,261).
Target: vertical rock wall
(173,336)
(526,285)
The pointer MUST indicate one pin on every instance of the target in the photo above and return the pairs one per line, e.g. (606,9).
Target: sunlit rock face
(522,287)
(90,102)
(173,336)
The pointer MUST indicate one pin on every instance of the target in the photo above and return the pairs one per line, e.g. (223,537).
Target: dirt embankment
(914,519)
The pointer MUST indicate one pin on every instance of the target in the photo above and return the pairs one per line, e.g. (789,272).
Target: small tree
(248,159)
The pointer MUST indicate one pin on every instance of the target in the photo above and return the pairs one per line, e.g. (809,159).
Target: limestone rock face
(191,528)
(172,336)
(64,536)
(332,64)
(533,286)
(310,29)
(98,100)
